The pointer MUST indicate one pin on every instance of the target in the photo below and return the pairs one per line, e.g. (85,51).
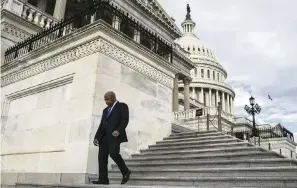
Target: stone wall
(49,119)
(281,145)
(52,117)
(202,126)
(149,106)
(52,101)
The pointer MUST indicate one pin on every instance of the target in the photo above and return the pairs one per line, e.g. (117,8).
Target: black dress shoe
(126,177)
(100,182)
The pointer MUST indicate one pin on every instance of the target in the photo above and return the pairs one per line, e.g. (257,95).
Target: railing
(212,111)
(102,10)
(263,133)
(193,102)
(29,12)
(38,17)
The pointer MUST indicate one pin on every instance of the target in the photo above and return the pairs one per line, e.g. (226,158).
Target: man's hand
(115,133)
(95,142)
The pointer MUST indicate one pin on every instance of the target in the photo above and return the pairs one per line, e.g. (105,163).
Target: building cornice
(177,51)
(212,85)
(20,34)
(144,10)
(96,37)
(209,62)
(159,14)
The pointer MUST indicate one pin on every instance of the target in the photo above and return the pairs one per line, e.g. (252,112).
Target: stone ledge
(179,129)
(84,42)
(90,186)
(11,178)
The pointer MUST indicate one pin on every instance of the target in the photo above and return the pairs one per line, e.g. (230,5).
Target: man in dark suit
(110,134)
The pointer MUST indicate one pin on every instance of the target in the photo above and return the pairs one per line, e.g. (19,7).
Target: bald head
(110,98)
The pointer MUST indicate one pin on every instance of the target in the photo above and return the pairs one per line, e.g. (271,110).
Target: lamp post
(254,109)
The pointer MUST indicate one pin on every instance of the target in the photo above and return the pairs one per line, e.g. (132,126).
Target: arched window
(218,77)
(208,74)
(213,75)
(202,73)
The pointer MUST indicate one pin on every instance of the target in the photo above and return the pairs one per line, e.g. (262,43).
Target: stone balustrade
(29,12)
(192,101)
(189,114)
(42,19)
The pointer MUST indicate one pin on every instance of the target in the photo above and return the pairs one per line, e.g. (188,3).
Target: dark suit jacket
(117,120)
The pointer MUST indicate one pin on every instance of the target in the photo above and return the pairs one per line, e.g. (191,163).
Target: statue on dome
(188,16)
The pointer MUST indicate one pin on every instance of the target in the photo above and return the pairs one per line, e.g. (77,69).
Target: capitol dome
(208,78)
(195,46)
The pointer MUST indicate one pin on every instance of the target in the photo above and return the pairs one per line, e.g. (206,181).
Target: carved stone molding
(12,30)
(187,80)
(97,45)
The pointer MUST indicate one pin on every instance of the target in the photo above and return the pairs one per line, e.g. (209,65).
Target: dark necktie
(108,112)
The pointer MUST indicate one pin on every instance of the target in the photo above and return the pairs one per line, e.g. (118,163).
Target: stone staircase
(201,159)
(207,159)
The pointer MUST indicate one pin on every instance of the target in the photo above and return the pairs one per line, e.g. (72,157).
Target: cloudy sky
(256,42)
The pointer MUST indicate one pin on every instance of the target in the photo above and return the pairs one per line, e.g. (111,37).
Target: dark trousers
(110,147)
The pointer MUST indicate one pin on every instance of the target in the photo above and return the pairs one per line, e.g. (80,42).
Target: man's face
(109,100)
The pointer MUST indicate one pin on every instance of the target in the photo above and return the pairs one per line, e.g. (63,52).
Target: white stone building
(208,77)
(207,86)
(54,75)
(53,81)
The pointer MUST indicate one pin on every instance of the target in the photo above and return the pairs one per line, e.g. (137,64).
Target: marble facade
(57,115)
(52,101)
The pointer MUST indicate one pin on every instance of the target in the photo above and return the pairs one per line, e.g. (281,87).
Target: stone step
(194,146)
(89,185)
(182,153)
(210,157)
(214,172)
(195,132)
(221,182)
(200,138)
(244,163)
(116,185)
(185,141)
(193,135)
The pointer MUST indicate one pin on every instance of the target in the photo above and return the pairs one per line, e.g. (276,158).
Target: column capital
(177,74)
(187,80)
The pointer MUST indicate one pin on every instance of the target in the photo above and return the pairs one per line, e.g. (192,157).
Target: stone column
(232,107)
(223,101)
(116,22)
(175,94)
(41,5)
(228,103)
(60,8)
(187,81)
(217,98)
(193,93)
(201,96)
(210,98)
(136,35)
